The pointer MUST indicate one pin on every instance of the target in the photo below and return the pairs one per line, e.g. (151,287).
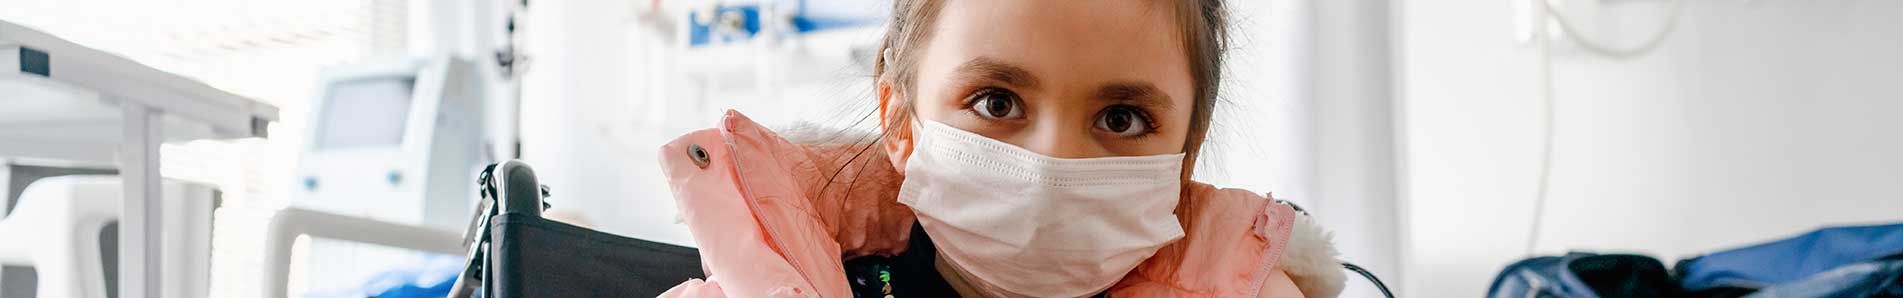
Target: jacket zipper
(746,193)
(1271,256)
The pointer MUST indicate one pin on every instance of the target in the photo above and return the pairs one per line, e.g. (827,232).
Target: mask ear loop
(886,130)
(900,93)
(887,54)
(890,57)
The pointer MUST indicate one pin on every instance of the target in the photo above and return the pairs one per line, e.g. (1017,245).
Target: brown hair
(1204,36)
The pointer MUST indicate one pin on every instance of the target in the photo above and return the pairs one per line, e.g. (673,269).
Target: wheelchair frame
(514,252)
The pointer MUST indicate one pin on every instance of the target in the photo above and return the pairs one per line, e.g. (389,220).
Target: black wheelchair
(514,252)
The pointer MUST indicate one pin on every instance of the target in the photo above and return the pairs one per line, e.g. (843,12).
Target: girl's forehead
(1067,45)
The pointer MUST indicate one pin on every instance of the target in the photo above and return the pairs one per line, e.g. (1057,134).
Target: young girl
(1030,149)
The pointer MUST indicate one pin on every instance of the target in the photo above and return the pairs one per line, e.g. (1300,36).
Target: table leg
(139,233)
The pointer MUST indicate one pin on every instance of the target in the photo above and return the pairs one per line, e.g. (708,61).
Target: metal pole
(139,233)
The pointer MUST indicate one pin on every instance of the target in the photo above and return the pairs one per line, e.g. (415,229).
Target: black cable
(1371,278)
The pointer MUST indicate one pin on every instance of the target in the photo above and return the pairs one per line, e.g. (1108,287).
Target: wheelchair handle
(508,187)
(519,191)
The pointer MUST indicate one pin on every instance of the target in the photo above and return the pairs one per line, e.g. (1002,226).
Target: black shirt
(913,273)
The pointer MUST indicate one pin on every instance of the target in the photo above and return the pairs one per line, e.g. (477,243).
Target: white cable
(1601,48)
(1546,117)
(1543,185)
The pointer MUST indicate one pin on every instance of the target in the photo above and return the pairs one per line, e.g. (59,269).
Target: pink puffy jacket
(769,225)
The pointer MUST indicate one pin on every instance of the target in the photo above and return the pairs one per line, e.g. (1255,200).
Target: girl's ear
(898,136)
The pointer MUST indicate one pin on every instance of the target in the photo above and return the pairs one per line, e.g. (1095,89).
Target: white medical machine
(397,142)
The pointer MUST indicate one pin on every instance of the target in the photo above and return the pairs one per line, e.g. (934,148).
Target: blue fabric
(1872,279)
(1541,277)
(433,278)
(1792,259)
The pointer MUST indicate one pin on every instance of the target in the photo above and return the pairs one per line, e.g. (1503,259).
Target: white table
(90,106)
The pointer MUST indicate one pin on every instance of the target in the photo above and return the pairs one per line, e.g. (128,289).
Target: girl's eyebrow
(987,68)
(1141,93)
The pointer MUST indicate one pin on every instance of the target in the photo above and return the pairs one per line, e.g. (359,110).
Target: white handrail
(289,223)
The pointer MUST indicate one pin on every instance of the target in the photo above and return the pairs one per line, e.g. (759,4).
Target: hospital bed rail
(289,223)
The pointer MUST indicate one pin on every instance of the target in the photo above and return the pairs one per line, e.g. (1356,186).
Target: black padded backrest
(535,257)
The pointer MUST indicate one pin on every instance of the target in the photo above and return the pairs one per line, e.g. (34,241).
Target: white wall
(1348,73)
(1755,120)
(605,90)
(578,88)
(1307,115)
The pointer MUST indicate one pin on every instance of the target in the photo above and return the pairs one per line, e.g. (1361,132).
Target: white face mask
(1021,224)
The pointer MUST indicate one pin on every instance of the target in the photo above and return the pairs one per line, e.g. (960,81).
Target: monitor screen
(367,112)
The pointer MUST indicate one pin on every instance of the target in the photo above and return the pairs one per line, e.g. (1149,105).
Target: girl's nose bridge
(1061,139)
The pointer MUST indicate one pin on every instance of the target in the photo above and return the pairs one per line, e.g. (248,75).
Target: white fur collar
(1310,259)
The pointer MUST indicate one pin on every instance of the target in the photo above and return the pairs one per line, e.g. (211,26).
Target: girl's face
(1067,79)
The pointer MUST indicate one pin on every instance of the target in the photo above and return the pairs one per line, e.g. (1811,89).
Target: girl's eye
(1125,121)
(996,104)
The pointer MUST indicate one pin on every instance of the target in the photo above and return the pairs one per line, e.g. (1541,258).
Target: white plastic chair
(56,229)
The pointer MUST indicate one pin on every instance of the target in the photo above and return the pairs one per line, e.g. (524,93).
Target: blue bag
(1868,279)
(1792,259)
(1584,275)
